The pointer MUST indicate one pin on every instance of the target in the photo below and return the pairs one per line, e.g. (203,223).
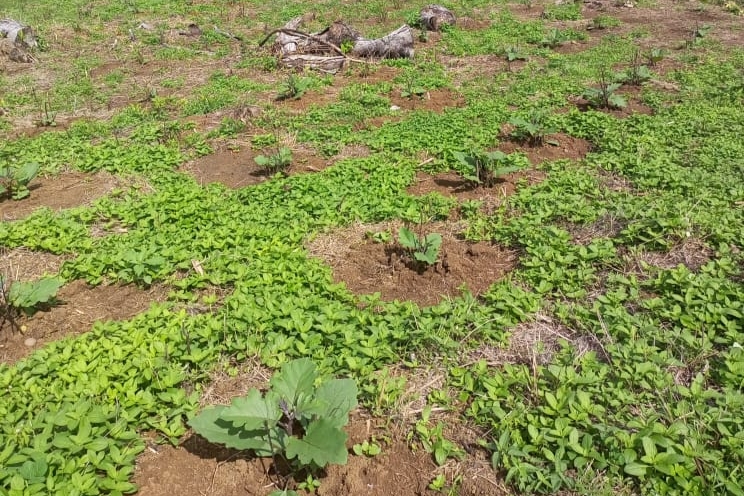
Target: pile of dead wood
(329,49)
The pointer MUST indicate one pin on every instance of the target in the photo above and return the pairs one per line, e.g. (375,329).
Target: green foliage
(433,440)
(299,418)
(14,180)
(423,248)
(486,168)
(278,161)
(552,39)
(531,129)
(655,55)
(512,53)
(604,22)
(293,87)
(636,74)
(367,448)
(605,95)
(29,295)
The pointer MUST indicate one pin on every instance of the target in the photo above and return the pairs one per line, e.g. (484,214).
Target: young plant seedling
(278,161)
(14,180)
(293,87)
(411,89)
(655,56)
(298,421)
(552,39)
(605,96)
(636,74)
(18,297)
(484,168)
(533,129)
(423,248)
(512,53)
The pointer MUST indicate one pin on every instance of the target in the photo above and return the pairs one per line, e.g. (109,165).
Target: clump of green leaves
(485,168)
(636,74)
(655,55)
(293,87)
(531,129)
(14,180)
(411,88)
(298,421)
(424,248)
(603,22)
(604,95)
(279,161)
(18,297)
(552,39)
(433,440)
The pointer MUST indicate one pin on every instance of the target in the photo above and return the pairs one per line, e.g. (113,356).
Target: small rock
(30,342)
(394,108)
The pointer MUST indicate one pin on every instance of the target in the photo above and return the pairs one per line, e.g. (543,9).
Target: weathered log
(322,63)
(323,50)
(433,17)
(396,45)
(18,33)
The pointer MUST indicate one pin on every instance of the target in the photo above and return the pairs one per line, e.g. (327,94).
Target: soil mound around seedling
(367,267)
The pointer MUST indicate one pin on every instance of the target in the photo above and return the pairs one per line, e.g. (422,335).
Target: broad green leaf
(252,411)
(34,471)
(323,444)
(26,295)
(337,398)
(209,425)
(407,238)
(636,469)
(26,173)
(295,381)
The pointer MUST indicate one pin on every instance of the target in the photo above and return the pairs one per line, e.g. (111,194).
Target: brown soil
(557,146)
(368,267)
(237,169)
(452,185)
(78,307)
(66,190)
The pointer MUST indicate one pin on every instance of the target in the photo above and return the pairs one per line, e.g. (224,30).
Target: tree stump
(433,17)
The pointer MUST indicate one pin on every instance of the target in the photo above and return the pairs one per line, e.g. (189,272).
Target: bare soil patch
(78,307)
(557,146)
(66,190)
(368,267)
(237,168)
(451,184)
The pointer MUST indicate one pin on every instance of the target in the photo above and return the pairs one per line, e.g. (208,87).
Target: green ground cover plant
(632,255)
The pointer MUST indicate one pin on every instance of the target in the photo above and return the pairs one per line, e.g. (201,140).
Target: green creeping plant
(14,180)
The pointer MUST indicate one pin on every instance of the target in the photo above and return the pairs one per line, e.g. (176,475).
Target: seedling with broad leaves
(605,95)
(533,128)
(278,161)
(26,297)
(485,168)
(293,87)
(423,248)
(298,422)
(14,180)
